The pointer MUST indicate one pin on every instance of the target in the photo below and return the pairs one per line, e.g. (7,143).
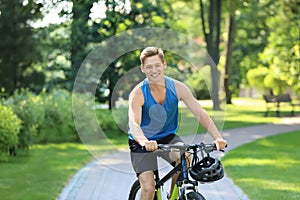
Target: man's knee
(147,184)
(148,188)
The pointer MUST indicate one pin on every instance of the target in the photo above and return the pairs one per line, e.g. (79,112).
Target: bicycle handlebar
(186,147)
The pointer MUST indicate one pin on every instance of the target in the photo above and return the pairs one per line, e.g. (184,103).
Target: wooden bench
(272,100)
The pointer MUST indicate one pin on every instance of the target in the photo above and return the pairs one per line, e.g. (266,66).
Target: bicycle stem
(184,167)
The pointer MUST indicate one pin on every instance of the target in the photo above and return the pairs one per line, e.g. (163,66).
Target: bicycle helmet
(207,170)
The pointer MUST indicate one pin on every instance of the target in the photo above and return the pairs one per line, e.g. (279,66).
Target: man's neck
(157,84)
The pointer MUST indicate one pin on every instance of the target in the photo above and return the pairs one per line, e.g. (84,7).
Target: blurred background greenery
(255,45)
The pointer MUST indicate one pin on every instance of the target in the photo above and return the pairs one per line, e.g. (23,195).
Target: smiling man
(153,118)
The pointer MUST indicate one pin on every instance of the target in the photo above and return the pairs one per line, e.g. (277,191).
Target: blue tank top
(159,120)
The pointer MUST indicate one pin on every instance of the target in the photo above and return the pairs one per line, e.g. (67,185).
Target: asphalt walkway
(110,177)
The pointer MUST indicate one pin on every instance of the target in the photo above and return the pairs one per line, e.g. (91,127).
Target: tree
(275,48)
(282,53)
(80,35)
(231,8)
(18,43)
(55,49)
(251,39)
(212,39)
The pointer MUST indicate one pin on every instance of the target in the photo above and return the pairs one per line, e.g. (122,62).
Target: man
(153,118)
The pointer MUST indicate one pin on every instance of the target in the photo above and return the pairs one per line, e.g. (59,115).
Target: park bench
(275,101)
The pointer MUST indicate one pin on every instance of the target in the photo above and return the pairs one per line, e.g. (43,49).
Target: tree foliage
(280,54)
(119,16)
(266,35)
(80,35)
(18,44)
(265,54)
(54,47)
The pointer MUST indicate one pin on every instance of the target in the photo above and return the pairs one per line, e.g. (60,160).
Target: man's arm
(185,94)
(136,101)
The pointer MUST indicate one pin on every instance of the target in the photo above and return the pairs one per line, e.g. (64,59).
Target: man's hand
(151,145)
(220,143)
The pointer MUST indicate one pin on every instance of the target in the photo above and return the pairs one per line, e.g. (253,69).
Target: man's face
(154,68)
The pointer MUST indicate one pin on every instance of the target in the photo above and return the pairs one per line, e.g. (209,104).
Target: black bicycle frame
(184,173)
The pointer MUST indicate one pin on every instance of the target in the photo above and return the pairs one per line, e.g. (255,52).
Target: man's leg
(174,179)
(144,163)
(147,185)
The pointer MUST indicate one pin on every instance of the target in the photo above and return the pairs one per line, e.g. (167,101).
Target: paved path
(110,177)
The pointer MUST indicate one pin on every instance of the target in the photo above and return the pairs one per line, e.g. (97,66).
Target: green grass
(44,171)
(268,168)
(243,112)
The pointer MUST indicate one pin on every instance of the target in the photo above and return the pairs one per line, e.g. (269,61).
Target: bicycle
(207,170)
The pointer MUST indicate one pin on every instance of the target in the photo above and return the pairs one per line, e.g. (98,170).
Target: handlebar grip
(222,150)
(215,146)
(163,146)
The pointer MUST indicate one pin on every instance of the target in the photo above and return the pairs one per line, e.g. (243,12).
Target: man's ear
(142,68)
(165,64)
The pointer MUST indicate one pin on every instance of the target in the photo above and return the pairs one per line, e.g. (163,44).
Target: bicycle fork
(184,184)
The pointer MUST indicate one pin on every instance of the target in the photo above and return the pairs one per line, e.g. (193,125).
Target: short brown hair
(151,51)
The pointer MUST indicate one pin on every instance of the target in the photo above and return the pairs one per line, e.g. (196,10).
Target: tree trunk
(212,39)
(80,35)
(14,62)
(228,63)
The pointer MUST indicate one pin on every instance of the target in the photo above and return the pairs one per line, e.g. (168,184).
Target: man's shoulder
(178,84)
(138,86)
(181,88)
(136,94)
(136,90)
(170,79)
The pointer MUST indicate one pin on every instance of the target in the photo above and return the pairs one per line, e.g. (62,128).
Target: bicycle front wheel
(194,196)
(135,191)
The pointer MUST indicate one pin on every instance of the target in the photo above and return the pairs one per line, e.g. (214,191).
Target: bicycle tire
(136,186)
(194,196)
(134,190)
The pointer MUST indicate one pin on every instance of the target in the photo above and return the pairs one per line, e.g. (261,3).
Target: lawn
(243,112)
(43,172)
(268,168)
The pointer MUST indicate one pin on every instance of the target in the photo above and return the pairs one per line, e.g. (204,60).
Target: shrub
(29,108)
(106,119)
(10,126)
(58,125)
(86,120)
(47,117)
(200,83)
(113,122)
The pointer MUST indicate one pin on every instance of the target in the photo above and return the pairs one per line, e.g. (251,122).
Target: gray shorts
(143,160)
